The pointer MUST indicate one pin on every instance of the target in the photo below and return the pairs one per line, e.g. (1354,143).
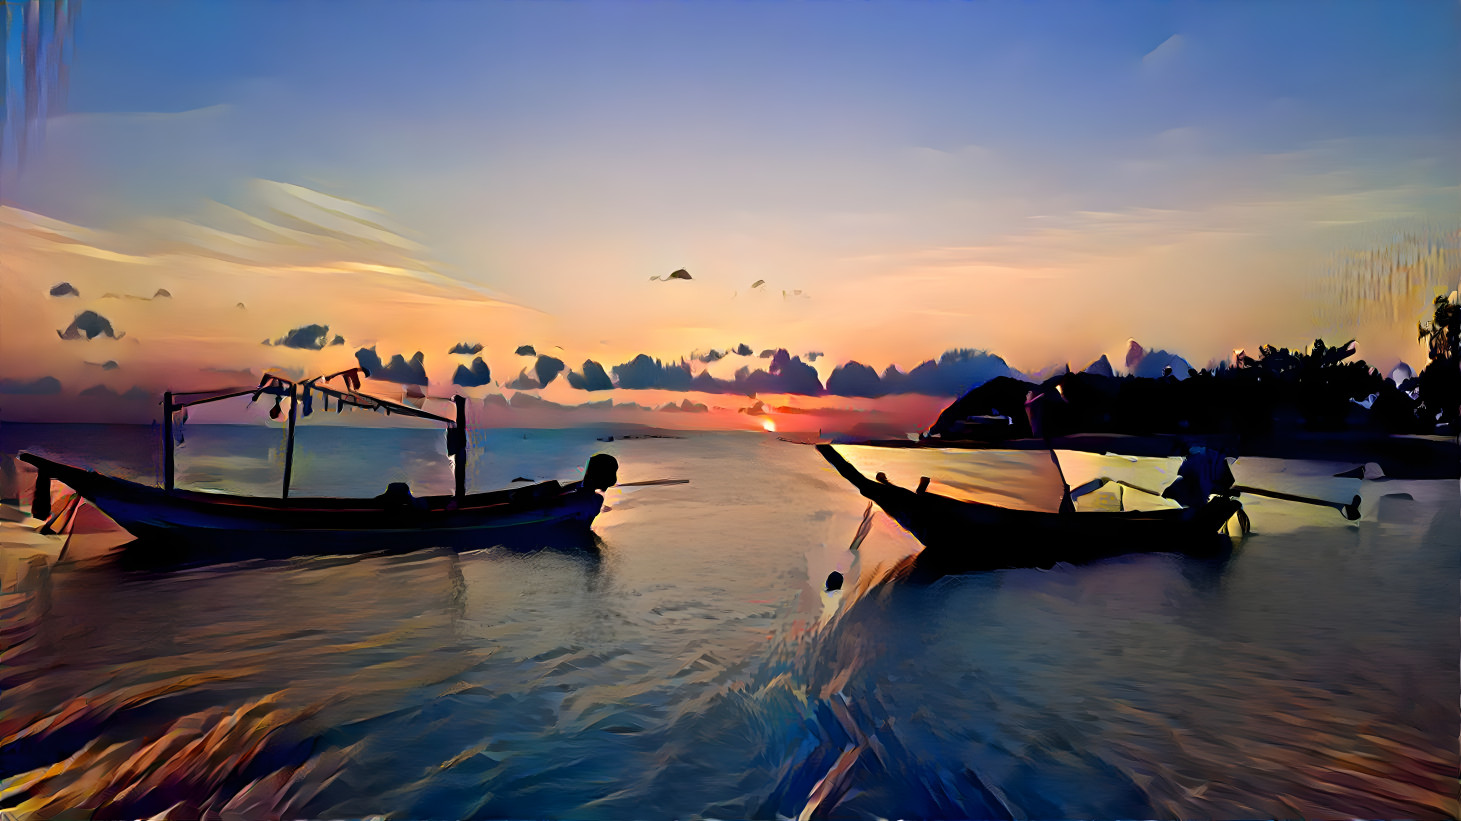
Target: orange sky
(1046,188)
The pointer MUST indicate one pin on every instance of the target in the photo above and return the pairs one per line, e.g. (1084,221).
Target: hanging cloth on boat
(351,377)
(308,406)
(264,385)
(179,417)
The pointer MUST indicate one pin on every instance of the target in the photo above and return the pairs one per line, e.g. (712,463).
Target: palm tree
(1440,382)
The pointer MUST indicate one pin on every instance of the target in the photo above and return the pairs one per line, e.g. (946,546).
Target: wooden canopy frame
(272,385)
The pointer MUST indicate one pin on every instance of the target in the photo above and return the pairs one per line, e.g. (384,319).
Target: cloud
(642,373)
(307,338)
(705,383)
(109,365)
(295,374)
(593,378)
(787,374)
(678,274)
(685,406)
(854,379)
(133,394)
(1101,367)
(289,243)
(1164,54)
(523,382)
(160,293)
(90,324)
(535,402)
(398,370)
(742,350)
(954,373)
(526,350)
(707,358)
(547,369)
(243,374)
(472,377)
(65,289)
(466,348)
(1134,353)
(44,386)
(1154,363)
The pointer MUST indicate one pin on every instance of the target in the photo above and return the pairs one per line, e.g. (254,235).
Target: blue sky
(1044,180)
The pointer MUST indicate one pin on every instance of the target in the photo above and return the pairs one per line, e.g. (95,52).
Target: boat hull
(230,526)
(960,536)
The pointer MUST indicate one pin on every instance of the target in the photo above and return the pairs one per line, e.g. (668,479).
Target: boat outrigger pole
(456,447)
(289,438)
(167,454)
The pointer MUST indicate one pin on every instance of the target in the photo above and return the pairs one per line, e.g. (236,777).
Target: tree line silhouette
(1280,390)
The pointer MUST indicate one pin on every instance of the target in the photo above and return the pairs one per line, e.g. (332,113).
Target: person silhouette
(1203,472)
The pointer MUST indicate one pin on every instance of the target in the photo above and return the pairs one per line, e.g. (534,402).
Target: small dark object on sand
(834,581)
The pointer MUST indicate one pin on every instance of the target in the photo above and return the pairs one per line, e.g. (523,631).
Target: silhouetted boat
(208,524)
(960,535)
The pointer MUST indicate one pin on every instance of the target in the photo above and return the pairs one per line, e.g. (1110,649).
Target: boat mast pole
(459,461)
(167,446)
(289,438)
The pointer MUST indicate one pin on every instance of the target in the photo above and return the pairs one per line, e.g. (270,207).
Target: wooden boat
(214,525)
(960,535)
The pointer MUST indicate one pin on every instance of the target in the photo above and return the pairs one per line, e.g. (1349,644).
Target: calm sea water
(694,666)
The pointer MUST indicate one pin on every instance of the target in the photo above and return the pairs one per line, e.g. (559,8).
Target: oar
(1067,500)
(1098,482)
(1351,511)
(863,529)
(653,482)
